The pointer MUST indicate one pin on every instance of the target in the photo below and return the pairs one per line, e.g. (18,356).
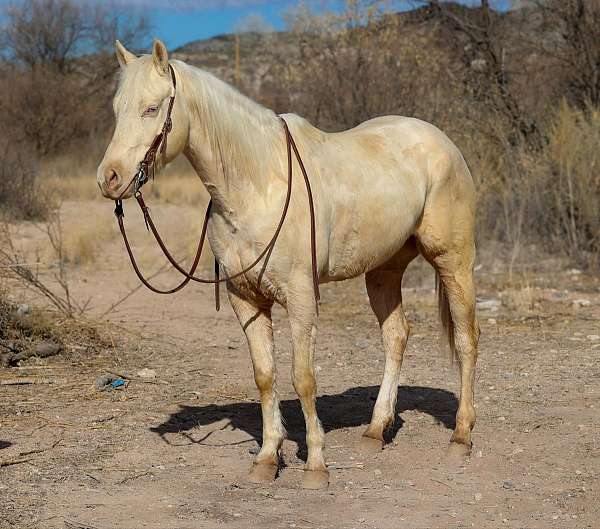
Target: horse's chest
(236,253)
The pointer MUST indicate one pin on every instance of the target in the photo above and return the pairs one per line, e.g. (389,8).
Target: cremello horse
(385,191)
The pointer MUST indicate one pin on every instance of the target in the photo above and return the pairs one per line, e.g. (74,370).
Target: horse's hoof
(457,452)
(315,479)
(262,473)
(368,445)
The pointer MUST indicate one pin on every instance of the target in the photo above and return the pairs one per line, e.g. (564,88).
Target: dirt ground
(173,452)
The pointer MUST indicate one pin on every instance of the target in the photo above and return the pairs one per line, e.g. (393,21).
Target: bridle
(147,170)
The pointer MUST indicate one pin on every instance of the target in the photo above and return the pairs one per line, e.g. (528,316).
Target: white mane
(246,137)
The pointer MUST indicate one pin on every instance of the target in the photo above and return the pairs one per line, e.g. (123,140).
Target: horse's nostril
(112,179)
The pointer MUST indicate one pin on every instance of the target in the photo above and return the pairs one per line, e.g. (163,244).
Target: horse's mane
(244,135)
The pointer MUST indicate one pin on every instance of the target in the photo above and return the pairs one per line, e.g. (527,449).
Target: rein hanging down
(147,170)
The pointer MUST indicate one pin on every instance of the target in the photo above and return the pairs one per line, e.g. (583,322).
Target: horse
(384,192)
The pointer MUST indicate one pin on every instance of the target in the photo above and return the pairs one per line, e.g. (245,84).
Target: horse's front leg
(302,313)
(256,322)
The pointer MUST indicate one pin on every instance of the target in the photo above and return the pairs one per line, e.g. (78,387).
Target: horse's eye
(150,111)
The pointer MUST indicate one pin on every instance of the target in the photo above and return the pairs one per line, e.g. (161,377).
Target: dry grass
(83,242)
(177,184)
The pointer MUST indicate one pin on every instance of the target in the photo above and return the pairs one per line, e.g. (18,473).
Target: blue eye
(150,111)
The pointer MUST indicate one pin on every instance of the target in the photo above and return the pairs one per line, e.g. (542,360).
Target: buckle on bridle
(140,179)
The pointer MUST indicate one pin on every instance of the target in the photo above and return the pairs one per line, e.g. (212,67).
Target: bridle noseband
(147,170)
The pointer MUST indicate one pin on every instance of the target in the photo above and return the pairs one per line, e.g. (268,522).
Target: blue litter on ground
(117,383)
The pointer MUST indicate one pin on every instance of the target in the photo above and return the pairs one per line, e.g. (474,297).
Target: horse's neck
(235,145)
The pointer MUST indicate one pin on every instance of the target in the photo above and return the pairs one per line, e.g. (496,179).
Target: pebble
(44,349)
(23,309)
(593,337)
(478,496)
(508,484)
(492,321)
(501,418)
(377,472)
(489,304)
(146,373)
(581,302)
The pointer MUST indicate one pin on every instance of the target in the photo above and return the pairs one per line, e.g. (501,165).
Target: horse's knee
(264,378)
(304,382)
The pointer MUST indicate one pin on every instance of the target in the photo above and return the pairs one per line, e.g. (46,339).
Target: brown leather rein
(146,170)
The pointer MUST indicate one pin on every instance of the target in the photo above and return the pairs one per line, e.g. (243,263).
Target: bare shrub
(15,265)
(355,65)
(60,72)
(573,46)
(20,194)
(570,183)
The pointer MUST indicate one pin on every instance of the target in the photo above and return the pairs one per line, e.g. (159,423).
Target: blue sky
(184,24)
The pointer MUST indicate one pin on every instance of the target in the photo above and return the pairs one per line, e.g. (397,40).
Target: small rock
(581,302)
(489,304)
(501,418)
(593,337)
(492,321)
(508,484)
(146,373)
(377,472)
(478,496)
(23,309)
(44,349)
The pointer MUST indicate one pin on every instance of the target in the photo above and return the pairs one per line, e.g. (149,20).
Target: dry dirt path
(173,453)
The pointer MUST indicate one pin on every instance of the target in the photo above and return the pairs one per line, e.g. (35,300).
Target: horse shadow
(349,409)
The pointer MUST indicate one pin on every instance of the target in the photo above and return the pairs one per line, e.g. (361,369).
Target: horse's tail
(445,314)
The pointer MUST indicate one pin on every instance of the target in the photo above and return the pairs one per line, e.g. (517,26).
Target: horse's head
(141,105)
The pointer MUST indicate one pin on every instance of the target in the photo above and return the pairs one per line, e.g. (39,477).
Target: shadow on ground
(4,444)
(351,408)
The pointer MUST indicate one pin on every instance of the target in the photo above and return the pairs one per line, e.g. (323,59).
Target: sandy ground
(173,452)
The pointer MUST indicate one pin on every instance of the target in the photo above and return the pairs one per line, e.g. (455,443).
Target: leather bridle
(147,169)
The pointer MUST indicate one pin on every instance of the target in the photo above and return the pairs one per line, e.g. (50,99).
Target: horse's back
(377,177)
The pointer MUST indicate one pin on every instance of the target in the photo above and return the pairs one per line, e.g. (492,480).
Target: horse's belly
(367,237)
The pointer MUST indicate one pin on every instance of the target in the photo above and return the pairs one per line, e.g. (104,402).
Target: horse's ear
(123,55)
(160,57)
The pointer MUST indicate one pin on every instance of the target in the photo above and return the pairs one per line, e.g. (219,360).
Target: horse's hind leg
(256,322)
(457,299)
(385,295)
(447,242)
